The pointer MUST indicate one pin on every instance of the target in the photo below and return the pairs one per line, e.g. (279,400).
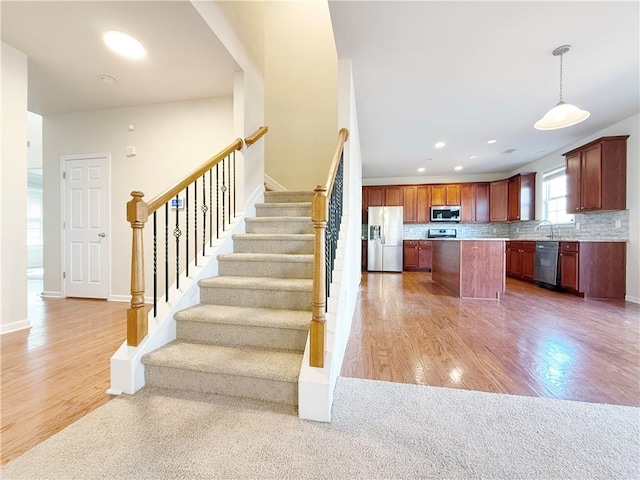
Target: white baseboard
(272,185)
(631,299)
(14,326)
(49,294)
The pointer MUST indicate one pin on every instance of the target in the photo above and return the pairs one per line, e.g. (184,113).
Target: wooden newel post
(137,215)
(319,301)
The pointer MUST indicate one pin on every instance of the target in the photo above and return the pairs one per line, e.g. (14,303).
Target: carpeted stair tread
(267,257)
(282,366)
(285,243)
(259,283)
(274,236)
(256,317)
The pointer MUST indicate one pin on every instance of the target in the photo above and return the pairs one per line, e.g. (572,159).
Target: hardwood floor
(532,342)
(58,371)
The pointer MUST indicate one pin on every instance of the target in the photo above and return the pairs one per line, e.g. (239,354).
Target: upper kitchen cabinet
(382,196)
(522,197)
(474,202)
(445,195)
(499,203)
(597,175)
(416,203)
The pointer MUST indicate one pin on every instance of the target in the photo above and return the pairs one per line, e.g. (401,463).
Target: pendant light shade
(563,114)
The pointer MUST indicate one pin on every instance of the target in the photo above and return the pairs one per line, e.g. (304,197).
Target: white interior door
(86,225)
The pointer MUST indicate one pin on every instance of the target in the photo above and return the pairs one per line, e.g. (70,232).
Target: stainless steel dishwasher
(546,272)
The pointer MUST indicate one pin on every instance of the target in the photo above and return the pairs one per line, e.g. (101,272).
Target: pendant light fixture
(563,114)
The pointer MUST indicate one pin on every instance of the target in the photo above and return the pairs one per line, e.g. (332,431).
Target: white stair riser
(286,197)
(222,384)
(273,246)
(243,268)
(241,335)
(247,297)
(279,210)
(278,226)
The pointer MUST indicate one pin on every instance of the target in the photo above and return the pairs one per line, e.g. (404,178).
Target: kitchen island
(470,268)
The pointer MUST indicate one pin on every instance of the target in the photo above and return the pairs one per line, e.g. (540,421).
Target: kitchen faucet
(550,228)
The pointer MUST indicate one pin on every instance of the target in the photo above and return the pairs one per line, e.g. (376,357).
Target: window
(554,196)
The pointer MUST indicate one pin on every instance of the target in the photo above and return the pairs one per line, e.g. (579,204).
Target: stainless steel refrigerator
(384,248)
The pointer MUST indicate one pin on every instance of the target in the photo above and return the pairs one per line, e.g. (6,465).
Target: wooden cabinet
(474,202)
(445,195)
(593,269)
(363,262)
(513,198)
(393,196)
(376,196)
(380,196)
(522,197)
(520,257)
(417,255)
(569,257)
(597,175)
(416,203)
(499,203)
(365,205)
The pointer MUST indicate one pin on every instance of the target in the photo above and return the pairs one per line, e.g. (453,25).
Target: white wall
(240,28)
(13,191)
(171,140)
(301,93)
(629,126)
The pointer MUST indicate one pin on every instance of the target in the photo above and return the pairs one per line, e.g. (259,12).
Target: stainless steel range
(442,233)
(546,272)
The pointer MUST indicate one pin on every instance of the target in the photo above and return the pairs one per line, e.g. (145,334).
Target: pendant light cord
(561,99)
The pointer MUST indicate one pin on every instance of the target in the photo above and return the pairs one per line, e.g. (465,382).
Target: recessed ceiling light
(472,157)
(421,169)
(124,44)
(491,141)
(459,167)
(108,80)
(439,144)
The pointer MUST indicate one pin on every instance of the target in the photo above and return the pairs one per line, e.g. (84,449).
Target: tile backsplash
(589,226)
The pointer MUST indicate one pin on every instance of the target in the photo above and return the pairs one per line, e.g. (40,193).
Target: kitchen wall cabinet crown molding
(597,175)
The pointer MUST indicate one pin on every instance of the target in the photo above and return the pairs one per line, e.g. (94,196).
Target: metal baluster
(217,202)
(195,222)
(224,189)
(155,267)
(186,227)
(211,207)
(176,233)
(234,184)
(204,215)
(166,250)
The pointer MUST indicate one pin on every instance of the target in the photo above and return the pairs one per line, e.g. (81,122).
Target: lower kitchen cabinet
(416,255)
(364,255)
(521,259)
(594,269)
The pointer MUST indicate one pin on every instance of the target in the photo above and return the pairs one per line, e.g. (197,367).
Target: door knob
(102,234)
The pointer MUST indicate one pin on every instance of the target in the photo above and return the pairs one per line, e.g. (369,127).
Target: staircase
(247,336)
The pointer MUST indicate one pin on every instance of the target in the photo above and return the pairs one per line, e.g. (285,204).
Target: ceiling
(458,72)
(63,41)
(467,72)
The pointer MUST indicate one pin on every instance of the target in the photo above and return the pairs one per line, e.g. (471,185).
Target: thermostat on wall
(131,151)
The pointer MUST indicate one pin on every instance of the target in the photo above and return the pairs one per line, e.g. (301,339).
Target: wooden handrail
(250,140)
(172,191)
(319,215)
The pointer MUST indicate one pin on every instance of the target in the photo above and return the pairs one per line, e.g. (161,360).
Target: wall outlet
(495,230)
(618,223)
(517,229)
(577,226)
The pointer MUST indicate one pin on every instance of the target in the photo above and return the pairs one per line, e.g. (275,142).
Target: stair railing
(326,214)
(208,192)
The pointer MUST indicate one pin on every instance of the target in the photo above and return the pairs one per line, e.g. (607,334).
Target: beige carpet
(379,430)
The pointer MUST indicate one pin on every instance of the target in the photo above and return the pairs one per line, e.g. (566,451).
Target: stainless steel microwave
(445,214)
